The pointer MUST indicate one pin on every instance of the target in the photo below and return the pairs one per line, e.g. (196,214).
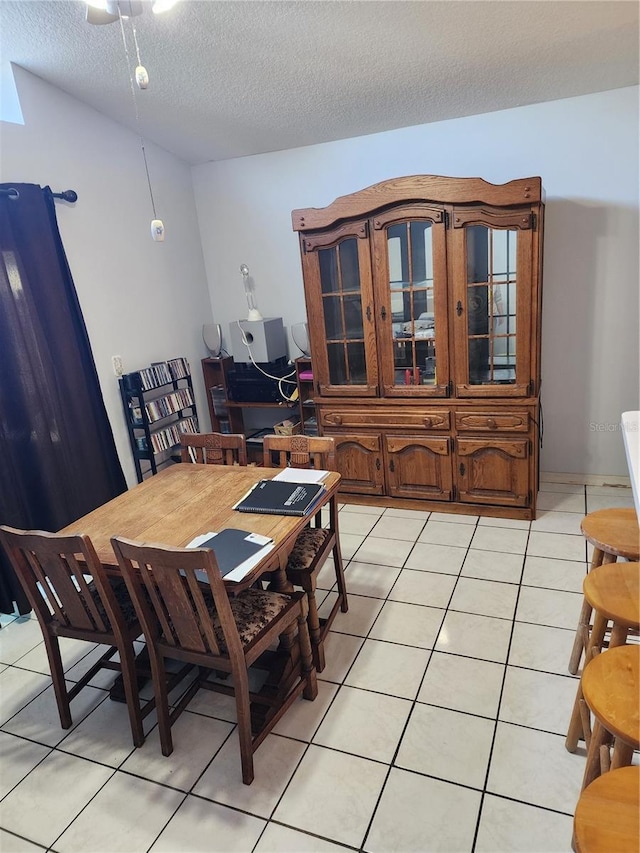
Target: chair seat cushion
(252,610)
(307,546)
(122,597)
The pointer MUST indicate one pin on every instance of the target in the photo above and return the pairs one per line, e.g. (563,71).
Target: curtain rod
(66,195)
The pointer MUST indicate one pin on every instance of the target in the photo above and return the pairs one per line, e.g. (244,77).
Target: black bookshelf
(159,407)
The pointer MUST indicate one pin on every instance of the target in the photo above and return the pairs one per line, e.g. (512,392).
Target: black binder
(231,547)
(276,497)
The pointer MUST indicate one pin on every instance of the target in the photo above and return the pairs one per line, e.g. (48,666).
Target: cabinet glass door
(337,271)
(411,296)
(492,292)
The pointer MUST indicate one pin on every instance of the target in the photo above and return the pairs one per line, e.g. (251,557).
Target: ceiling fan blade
(99,16)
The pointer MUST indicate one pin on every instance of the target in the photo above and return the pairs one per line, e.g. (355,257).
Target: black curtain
(58,459)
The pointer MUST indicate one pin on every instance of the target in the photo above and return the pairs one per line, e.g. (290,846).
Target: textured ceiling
(235,78)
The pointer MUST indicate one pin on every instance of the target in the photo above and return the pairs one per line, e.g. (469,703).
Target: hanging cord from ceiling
(135,103)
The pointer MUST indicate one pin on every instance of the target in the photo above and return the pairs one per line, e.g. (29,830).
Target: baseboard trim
(587,479)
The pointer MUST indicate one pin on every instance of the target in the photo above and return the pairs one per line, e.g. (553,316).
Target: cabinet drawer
(471,421)
(383,418)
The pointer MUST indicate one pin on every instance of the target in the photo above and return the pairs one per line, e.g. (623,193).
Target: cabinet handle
(462,469)
(337,419)
(459,308)
(392,466)
(383,313)
(369,313)
(491,423)
(377,463)
(427,422)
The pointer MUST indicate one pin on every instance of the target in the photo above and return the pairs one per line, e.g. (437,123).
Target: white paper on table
(301,475)
(245,567)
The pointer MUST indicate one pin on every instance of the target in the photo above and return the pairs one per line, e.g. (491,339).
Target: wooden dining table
(186,500)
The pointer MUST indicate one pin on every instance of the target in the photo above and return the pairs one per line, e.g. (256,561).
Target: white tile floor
(439,724)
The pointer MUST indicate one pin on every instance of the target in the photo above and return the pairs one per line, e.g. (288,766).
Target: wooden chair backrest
(300,451)
(51,569)
(166,584)
(215,448)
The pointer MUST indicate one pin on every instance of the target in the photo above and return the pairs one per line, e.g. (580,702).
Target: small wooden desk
(185,500)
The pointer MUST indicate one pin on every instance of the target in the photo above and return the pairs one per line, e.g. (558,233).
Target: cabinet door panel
(410,288)
(339,293)
(358,459)
(493,293)
(494,471)
(418,467)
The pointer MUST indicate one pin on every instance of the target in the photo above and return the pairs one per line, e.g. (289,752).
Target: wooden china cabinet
(423,299)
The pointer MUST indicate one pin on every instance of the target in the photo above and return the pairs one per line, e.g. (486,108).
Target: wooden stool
(612,591)
(607,816)
(611,687)
(613,533)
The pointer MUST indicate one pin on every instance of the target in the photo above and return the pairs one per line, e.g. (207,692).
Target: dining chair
(52,568)
(187,615)
(299,451)
(315,543)
(216,448)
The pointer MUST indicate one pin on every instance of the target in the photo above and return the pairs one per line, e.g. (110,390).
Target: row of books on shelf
(310,426)
(168,437)
(157,374)
(179,368)
(219,400)
(170,404)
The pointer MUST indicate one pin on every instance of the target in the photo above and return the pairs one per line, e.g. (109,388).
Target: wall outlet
(116,363)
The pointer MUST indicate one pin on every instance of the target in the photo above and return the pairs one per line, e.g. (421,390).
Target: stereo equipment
(246,384)
(265,339)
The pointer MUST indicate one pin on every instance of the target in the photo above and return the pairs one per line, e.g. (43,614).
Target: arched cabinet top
(418,188)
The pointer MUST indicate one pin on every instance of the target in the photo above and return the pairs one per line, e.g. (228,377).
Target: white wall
(585,149)
(147,301)
(141,300)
